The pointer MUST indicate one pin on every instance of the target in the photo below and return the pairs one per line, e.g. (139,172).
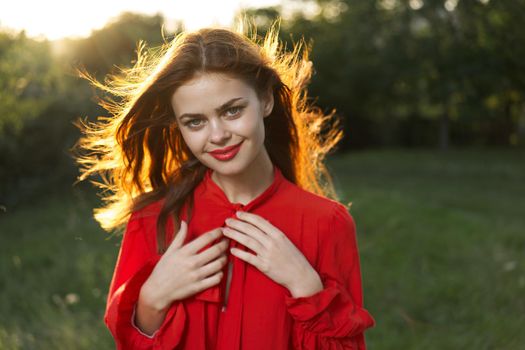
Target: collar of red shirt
(212,191)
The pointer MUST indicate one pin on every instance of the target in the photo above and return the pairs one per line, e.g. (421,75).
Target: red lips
(227,153)
(225,149)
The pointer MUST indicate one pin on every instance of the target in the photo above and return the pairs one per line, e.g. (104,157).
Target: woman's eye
(234,110)
(230,112)
(193,123)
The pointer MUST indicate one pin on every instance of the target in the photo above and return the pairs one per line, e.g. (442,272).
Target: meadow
(441,239)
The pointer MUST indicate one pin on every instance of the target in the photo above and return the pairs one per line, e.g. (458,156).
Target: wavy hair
(138,151)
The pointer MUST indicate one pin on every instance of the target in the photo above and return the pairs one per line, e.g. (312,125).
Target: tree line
(407,73)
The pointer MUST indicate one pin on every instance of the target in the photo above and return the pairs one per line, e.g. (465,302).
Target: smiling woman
(234,238)
(220,134)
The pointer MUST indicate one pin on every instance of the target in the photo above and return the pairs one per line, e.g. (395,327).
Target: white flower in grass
(71,298)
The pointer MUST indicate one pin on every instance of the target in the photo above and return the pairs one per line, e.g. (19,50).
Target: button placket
(229,268)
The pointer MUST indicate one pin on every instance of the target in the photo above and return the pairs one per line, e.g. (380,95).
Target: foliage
(42,98)
(27,85)
(418,73)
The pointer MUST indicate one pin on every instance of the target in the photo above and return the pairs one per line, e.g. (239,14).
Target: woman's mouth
(226,153)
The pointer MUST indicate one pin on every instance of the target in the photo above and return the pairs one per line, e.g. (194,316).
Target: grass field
(441,238)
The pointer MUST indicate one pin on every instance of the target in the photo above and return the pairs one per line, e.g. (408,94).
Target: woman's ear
(268,104)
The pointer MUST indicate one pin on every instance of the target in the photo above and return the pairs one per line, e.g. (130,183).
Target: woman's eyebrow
(218,109)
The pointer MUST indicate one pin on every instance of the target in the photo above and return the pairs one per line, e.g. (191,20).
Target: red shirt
(260,313)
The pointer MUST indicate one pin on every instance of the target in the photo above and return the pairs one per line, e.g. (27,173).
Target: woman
(213,159)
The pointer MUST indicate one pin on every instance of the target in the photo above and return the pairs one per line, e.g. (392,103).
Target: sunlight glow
(56,19)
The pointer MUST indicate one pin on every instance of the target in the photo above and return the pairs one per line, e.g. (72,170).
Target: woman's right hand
(182,272)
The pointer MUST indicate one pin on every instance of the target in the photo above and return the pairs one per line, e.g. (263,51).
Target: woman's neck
(246,186)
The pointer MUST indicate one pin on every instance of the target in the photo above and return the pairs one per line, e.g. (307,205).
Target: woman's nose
(218,132)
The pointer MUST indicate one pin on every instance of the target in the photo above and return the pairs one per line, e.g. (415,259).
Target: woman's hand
(181,272)
(276,256)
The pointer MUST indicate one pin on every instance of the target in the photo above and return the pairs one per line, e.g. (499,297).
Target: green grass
(442,243)
(441,239)
(55,268)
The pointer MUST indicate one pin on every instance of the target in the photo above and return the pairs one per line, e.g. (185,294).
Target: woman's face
(214,111)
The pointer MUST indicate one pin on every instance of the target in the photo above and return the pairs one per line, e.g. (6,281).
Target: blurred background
(432,98)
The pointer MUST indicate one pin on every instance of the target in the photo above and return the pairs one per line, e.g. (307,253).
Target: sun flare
(55,19)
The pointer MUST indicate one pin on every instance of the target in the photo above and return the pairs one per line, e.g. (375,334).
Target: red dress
(260,314)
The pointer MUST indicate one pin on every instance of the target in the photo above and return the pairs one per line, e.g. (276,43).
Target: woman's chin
(232,167)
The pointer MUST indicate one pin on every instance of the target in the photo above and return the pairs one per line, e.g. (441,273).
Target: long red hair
(139,151)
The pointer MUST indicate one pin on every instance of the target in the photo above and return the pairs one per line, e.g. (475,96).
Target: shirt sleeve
(135,263)
(333,318)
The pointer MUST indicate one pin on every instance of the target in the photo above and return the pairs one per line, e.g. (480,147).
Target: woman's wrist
(150,312)
(148,299)
(307,286)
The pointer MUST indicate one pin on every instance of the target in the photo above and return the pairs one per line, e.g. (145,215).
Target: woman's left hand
(276,256)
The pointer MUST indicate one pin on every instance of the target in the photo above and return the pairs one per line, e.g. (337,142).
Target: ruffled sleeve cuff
(330,312)
(121,312)
(305,309)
